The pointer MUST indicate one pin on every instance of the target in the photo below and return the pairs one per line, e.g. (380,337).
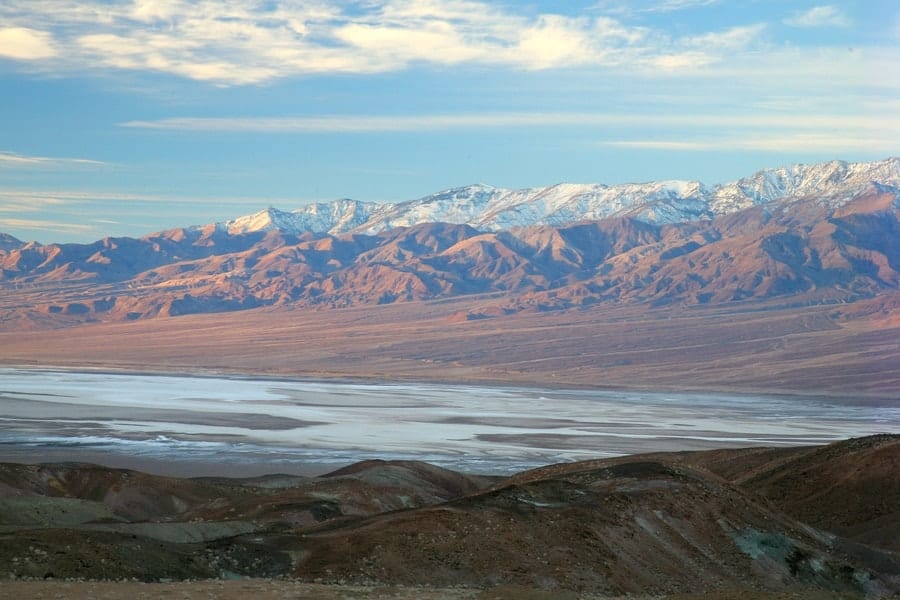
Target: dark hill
(650,524)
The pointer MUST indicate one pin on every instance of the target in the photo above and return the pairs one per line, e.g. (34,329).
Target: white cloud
(453,10)
(696,52)
(555,41)
(611,30)
(155,10)
(824,143)
(736,38)
(672,5)
(233,42)
(803,130)
(22,43)
(819,16)
(46,225)
(237,42)
(682,61)
(11,159)
(875,124)
(664,6)
(367,124)
(396,46)
(15,200)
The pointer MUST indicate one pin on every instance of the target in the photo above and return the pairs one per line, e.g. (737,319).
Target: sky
(124,117)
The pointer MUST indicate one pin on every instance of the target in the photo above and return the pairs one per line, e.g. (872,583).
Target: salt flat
(228,425)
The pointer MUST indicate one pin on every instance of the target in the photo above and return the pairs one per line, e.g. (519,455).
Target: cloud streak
(369,124)
(784,142)
(47,225)
(663,6)
(760,131)
(818,16)
(446,122)
(674,5)
(14,160)
(12,200)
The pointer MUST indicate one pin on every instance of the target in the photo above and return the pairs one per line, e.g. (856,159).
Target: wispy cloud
(819,16)
(240,43)
(806,142)
(47,225)
(660,6)
(14,160)
(796,131)
(18,199)
(735,38)
(673,5)
(438,122)
(367,124)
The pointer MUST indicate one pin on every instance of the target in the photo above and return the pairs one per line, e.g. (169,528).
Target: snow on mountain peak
(264,220)
(835,180)
(491,208)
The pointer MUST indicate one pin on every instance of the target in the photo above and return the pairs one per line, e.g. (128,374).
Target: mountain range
(489,208)
(825,233)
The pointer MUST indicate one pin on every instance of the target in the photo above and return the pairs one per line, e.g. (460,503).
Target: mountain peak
(489,208)
(8,242)
(835,181)
(266,219)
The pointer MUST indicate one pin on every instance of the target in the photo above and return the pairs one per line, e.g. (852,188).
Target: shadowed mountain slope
(850,488)
(638,524)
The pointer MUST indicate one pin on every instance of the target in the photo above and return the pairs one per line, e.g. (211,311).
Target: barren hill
(850,488)
(644,524)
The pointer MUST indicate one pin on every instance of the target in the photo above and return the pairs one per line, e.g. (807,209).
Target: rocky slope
(656,524)
(849,488)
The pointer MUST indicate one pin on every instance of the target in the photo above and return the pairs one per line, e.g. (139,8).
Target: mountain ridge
(838,245)
(491,208)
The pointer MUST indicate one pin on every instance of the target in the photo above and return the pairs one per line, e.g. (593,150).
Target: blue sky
(127,117)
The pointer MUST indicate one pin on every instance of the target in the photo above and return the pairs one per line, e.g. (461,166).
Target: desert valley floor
(790,521)
(846,350)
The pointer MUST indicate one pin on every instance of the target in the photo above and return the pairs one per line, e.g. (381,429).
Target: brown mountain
(803,251)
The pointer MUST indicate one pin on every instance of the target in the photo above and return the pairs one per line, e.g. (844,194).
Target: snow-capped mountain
(835,181)
(827,234)
(490,208)
(336,216)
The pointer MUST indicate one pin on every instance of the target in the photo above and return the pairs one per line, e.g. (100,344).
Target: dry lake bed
(221,425)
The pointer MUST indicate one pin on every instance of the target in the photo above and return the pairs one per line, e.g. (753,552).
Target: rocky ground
(260,589)
(799,523)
